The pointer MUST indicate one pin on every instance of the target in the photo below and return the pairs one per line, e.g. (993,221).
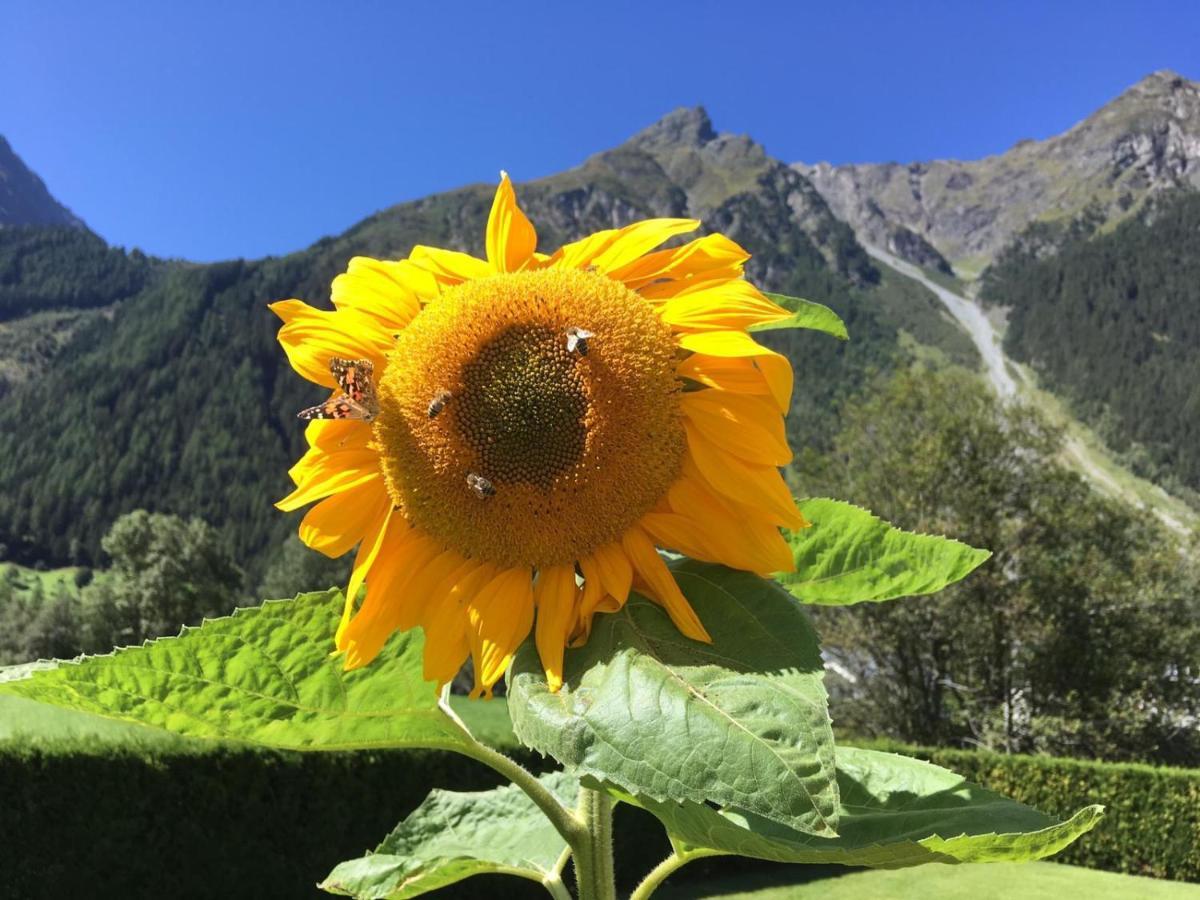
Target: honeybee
(357,400)
(577,339)
(438,403)
(481,486)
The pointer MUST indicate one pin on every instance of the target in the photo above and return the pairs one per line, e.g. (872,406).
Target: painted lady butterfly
(357,400)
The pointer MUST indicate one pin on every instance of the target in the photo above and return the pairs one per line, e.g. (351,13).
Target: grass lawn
(995,881)
(23,579)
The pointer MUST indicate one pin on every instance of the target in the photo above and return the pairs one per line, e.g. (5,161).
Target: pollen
(576,447)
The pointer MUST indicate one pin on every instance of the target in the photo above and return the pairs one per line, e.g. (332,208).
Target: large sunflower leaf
(452,836)
(849,556)
(263,675)
(896,812)
(741,722)
(805,314)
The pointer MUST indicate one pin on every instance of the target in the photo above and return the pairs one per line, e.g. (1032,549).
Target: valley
(1082,450)
(170,393)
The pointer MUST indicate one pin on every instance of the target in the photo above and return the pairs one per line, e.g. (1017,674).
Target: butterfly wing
(354,378)
(339,407)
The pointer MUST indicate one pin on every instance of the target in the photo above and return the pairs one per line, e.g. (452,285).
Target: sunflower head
(531,428)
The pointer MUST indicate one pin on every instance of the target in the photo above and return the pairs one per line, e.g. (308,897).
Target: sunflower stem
(566,822)
(554,885)
(665,869)
(594,872)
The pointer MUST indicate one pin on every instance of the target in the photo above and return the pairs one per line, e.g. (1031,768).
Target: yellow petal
(555,596)
(321,474)
(381,289)
(661,583)
(499,618)
(738,345)
(511,239)
(594,599)
(336,524)
(730,476)
(610,250)
(377,535)
(737,537)
(449,267)
(739,376)
(680,265)
(579,254)
(327,437)
(744,426)
(615,570)
(679,533)
(311,337)
(734,304)
(637,239)
(390,604)
(445,621)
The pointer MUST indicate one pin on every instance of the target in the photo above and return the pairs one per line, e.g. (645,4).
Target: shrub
(182,819)
(1152,821)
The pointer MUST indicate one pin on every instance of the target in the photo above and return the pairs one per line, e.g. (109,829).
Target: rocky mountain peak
(684,127)
(1140,144)
(24,199)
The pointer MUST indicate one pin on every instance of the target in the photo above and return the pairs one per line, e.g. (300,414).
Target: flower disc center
(529,418)
(522,407)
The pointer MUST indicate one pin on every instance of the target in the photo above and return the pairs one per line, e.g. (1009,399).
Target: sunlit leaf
(852,556)
(896,812)
(452,836)
(740,722)
(263,675)
(805,314)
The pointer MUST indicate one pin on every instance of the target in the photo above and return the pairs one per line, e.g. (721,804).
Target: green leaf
(262,675)
(850,556)
(805,314)
(896,812)
(452,836)
(741,722)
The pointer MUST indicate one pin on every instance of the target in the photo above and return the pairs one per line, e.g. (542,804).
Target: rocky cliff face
(24,199)
(1143,143)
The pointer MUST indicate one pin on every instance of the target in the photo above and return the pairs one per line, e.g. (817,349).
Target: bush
(1152,821)
(174,818)
(183,819)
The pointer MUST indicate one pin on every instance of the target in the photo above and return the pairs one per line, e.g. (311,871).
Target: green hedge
(154,819)
(1152,822)
(85,817)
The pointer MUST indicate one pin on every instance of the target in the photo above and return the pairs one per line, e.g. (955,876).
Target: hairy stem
(565,822)
(554,884)
(594,859)
(666,868)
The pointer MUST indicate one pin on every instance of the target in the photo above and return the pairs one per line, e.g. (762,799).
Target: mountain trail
(969,315)
(998,369)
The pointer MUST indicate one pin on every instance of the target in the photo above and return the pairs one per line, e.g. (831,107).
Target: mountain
(176,397)
(1111,322)
(24,199)
(1143,143)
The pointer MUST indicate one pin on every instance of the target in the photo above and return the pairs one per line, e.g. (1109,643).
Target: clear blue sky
(212,130)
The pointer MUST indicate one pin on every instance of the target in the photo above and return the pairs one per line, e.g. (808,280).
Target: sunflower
(530,429)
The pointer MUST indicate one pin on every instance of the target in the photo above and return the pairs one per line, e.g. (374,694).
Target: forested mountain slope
(1113,323)
(181,401)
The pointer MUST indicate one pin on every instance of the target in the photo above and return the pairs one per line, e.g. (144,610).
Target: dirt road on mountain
(969,315)
(983,334)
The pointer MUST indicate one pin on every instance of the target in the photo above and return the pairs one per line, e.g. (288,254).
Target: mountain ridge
(1141,144)
(24,197)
